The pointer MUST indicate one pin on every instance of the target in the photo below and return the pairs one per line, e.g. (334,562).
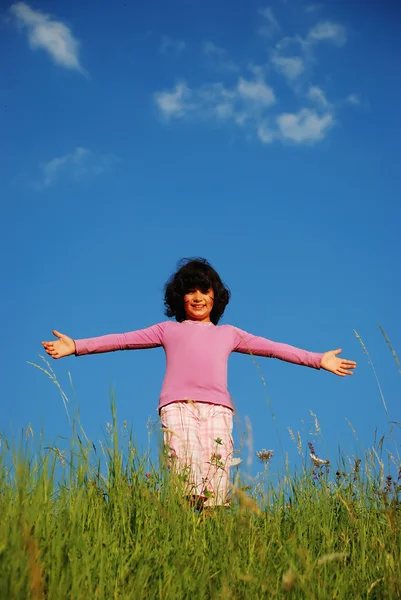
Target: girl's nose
(197,295)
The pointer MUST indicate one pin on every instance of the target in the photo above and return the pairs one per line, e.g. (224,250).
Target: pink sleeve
(152,337)
(247,343)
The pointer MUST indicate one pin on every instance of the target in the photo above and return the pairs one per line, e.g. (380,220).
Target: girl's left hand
(338,366)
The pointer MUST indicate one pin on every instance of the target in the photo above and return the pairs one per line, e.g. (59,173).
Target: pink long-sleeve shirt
(197,356)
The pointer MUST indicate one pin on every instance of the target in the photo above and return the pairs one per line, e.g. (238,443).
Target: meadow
(96,522)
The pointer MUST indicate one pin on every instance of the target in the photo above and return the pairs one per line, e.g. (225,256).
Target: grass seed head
(288,581)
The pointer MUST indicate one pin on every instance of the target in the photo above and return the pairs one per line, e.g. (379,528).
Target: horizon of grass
(69,531)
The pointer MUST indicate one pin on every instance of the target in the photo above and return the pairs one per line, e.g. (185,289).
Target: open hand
(336,365)
(64,346)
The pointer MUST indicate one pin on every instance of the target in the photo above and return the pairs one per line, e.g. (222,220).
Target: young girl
(195,407)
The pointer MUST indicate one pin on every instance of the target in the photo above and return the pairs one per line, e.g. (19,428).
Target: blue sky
(265,137)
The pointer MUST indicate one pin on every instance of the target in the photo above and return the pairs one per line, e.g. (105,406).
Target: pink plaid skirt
(199,443)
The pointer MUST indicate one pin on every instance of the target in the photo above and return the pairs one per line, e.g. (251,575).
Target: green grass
(67,531)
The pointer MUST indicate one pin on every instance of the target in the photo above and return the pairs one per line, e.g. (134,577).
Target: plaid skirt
(199,444)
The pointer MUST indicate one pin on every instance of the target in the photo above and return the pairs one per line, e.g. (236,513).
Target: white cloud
(290,66)
(219,57)
(256,91)
(52,36)
(169,43)
(294,56)
(245,102)
(251,103)
(327,31)
(265,133)
(305,126)
(81,164)
(271,26)
(317,95)
(175,103)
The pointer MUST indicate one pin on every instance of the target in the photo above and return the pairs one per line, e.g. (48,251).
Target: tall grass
(68,531)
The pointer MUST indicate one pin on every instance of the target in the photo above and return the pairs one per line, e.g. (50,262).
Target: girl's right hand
(64,346)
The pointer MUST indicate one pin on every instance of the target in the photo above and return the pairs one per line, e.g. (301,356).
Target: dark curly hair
(194,273)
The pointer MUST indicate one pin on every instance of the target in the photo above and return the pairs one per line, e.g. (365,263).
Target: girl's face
(198,305)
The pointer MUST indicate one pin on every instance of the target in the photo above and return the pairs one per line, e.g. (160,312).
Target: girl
(195,407)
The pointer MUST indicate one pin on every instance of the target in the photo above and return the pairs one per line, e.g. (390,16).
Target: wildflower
(216,460)
(265,455)
(148,475)
(219,441)
(315,459)
(318,461)
(311,448)
(236,461)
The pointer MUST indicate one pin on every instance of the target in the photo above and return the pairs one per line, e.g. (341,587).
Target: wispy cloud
(304,126)
(252,105)
(317,96)
(353,99)
(48,34)
(245,102)
(218,57)
(79,165)
(292,56)
(170,44)
(249,105)
(256,91)
(175,103)
(270,26)
(327,31)
(291,67)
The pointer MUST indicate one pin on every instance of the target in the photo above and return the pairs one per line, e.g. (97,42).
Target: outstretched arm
(151,337)
(246,343)
(259,346)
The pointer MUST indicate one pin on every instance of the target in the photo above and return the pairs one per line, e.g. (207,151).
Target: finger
(337,372)
(57,333)
(338,351)
(346,371)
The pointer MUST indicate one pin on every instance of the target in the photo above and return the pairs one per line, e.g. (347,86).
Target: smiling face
(198,305)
